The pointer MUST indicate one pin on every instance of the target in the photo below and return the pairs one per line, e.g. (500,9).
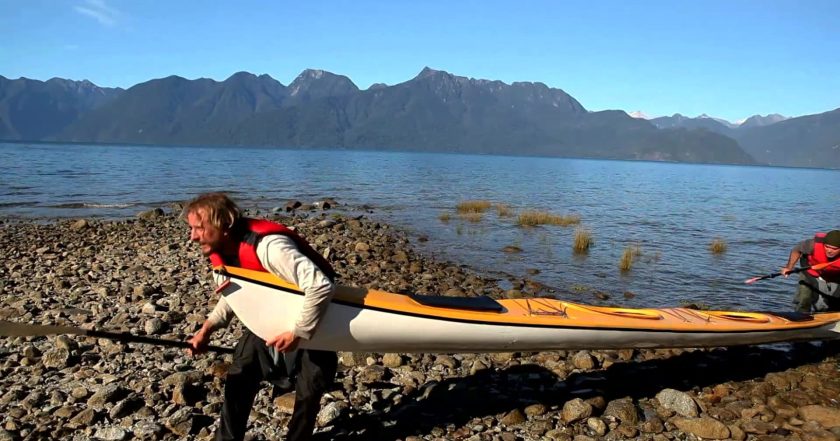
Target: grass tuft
(628,257)
(470,217)
(504,210)
(477,206)
(444,217)
(534,218)
(718,246)
(582,241)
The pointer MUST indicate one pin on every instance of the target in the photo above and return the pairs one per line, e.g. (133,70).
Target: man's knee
(804,299)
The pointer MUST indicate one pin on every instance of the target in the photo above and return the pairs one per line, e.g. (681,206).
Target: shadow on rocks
(493,393)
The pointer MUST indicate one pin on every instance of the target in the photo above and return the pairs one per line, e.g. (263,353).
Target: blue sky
(729,59)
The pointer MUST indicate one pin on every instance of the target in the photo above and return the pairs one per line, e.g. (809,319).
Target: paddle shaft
(816,267)
(131,338)
(12,329)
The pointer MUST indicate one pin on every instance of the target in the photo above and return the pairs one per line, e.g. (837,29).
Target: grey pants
(809,299)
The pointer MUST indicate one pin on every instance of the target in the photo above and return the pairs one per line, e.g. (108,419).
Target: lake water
(672,212)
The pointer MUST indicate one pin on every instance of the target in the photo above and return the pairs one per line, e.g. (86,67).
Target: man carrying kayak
(818,289)
(226,237)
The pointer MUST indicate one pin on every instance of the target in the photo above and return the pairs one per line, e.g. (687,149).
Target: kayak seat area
(791,316)
(481,303)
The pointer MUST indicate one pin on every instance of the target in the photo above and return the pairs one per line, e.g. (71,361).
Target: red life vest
(830,273)
(256,229)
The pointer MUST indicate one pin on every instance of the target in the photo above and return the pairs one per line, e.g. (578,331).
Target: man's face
(831,251)
(209,237)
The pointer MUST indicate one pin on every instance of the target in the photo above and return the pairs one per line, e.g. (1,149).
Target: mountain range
(434,111)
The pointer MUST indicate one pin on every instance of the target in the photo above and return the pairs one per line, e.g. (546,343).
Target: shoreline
(143,276)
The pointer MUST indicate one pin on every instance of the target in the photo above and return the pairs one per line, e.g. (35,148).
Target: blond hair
(216,208)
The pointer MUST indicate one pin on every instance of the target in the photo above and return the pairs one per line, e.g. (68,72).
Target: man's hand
(199,342)
(284,342)
(786,271)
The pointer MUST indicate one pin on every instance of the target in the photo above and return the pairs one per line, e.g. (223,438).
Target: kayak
(360,319)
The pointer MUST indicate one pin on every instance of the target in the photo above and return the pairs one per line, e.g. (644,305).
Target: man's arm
(280,256)
(804,247)
(220,317)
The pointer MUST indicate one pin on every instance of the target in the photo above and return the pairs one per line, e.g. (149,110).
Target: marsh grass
(628,257)
(476,206)
(718,246)
(534,218)
(470,217)
(444,217)
(504,210)
(582,241)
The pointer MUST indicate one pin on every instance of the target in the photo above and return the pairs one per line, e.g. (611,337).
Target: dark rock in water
(512,249)
(292,205)
(151,214)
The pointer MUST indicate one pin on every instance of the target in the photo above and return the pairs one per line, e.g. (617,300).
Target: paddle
(816,267)
(12,329)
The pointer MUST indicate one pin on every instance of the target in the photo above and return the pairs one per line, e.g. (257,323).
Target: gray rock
(147,429)
(83,419)
(154,326)
(105,394)
(623,410)
(151,214)
(80,224)
(111,433)
(56,358)
(330,413)
(180,422)
(65,342)
(597,425)
(149,308)
(679,402)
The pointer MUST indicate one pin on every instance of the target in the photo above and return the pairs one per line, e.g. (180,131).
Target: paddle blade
(753,280)
(12,329)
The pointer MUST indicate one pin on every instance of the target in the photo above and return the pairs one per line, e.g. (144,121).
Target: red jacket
(830,273)
(256,229)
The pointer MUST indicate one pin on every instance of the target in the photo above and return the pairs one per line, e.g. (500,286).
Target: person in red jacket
(818,290)
(226,237)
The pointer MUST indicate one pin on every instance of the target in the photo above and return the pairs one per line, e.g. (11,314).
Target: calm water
(672,211)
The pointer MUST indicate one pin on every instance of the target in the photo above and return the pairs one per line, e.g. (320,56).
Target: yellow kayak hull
(361,319)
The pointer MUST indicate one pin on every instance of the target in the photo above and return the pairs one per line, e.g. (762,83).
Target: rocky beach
(143,276)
